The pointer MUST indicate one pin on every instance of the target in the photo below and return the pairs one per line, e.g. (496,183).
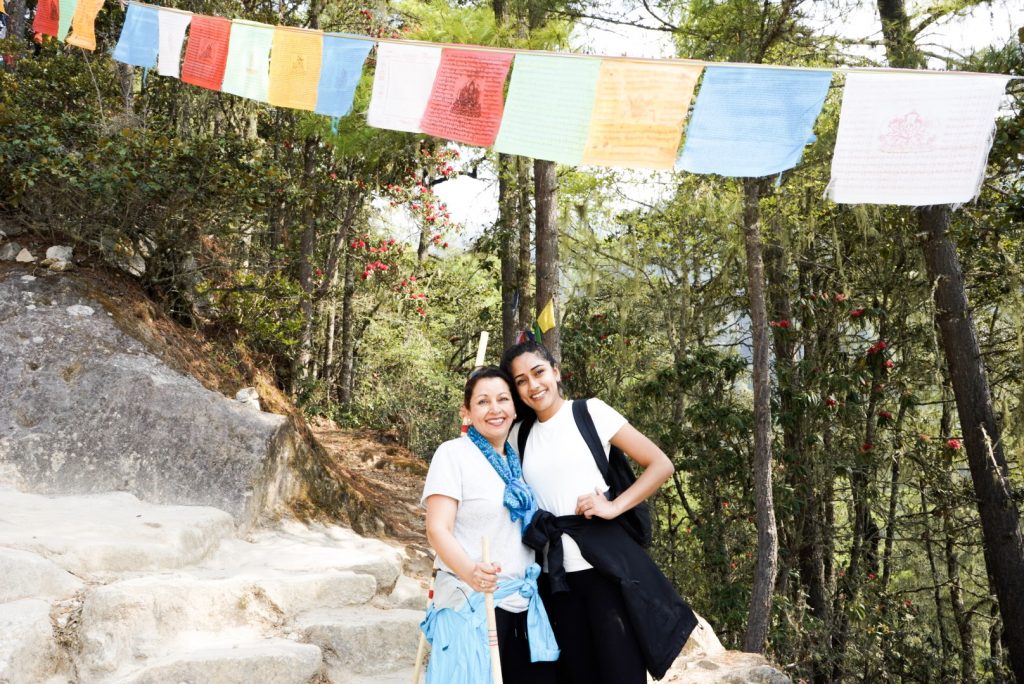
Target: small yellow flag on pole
(546,320)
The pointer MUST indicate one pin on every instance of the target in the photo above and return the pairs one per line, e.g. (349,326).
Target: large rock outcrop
(86,407)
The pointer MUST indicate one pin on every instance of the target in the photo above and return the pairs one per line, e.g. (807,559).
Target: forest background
(813,409)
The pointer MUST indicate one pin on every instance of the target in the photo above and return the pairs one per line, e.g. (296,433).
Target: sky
(473,202)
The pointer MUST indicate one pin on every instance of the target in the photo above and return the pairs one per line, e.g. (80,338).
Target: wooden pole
(492,625)
(421,648)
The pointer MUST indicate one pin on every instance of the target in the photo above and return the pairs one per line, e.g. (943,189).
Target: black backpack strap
(524,432)
(585,424)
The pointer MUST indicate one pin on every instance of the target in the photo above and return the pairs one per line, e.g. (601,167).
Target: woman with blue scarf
(474,488)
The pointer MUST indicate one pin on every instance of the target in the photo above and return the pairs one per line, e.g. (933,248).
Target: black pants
(596,639)
(514,650)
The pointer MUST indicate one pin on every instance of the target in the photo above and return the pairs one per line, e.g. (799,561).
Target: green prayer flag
(247,72)
(67,11)
(547,112)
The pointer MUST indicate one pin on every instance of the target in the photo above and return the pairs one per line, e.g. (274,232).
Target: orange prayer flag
(638,115)
(47,17)
(295,57)
(83,24)
(207,51)
(467,100)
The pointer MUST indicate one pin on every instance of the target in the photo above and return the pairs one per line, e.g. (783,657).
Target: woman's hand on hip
(596,504)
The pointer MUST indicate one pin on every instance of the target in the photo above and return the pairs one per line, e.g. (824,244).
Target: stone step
(403,676)
(362,641)
(138,617)
(28,650)
(207,658)
(29,575)
(295,547)
(98,534)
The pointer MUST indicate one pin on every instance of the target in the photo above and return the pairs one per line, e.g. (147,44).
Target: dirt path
(388,477)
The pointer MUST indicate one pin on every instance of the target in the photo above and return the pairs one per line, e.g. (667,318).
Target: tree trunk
(126,81)
(1004,544)
(346,382)
(956,601)
(546,197)
(16,12)
(759,617)
(940,611)
(995,643)
(525,234)
(307,248)
(507,249)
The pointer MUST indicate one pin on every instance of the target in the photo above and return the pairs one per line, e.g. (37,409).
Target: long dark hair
(485,372)
(511,354)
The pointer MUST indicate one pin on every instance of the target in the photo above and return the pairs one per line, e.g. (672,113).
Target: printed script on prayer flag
(751,122)
(172,36)
(67,13)
(83,24)
(295,68)
(468,96)
(206,52)
(140,37)
(246,73)
(914,139)
(402,85)
(47,17)
(547,113)
(340,70)
(638,114)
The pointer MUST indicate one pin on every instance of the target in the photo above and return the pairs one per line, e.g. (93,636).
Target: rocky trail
(154,530)
(106,588)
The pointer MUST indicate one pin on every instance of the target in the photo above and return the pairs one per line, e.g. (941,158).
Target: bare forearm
(451,552)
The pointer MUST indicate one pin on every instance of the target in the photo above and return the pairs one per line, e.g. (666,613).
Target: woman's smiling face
(491,410)
(536,382)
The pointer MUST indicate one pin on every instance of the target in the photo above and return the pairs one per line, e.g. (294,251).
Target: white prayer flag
(172,35)
(914,139)
(401,86)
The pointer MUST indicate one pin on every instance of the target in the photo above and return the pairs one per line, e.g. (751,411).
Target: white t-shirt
(460,471)
(560,468)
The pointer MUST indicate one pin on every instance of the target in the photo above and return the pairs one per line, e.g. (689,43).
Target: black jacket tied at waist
(661,619)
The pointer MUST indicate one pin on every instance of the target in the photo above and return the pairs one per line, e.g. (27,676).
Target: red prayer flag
(207,51)
(47,17)
(467,100)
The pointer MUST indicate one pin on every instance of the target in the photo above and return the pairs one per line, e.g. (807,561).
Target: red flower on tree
(953,444)
(866,447)
(840,297)
(877,347)
(783,323)
(856,313)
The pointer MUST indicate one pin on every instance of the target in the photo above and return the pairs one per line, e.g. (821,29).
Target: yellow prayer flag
(546,320)
(638,114)
(2,10)
(83,24)
(295,68)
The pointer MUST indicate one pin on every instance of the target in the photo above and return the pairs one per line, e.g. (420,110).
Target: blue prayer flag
(752,122)
(140,37)
(340,70)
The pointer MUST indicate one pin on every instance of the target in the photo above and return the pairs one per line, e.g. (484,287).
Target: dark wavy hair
(511,354)
(481,373)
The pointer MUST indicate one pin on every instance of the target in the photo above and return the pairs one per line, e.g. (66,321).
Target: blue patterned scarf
(518,498)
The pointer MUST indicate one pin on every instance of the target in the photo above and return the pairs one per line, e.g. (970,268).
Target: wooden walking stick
(492,624)
(421,648)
